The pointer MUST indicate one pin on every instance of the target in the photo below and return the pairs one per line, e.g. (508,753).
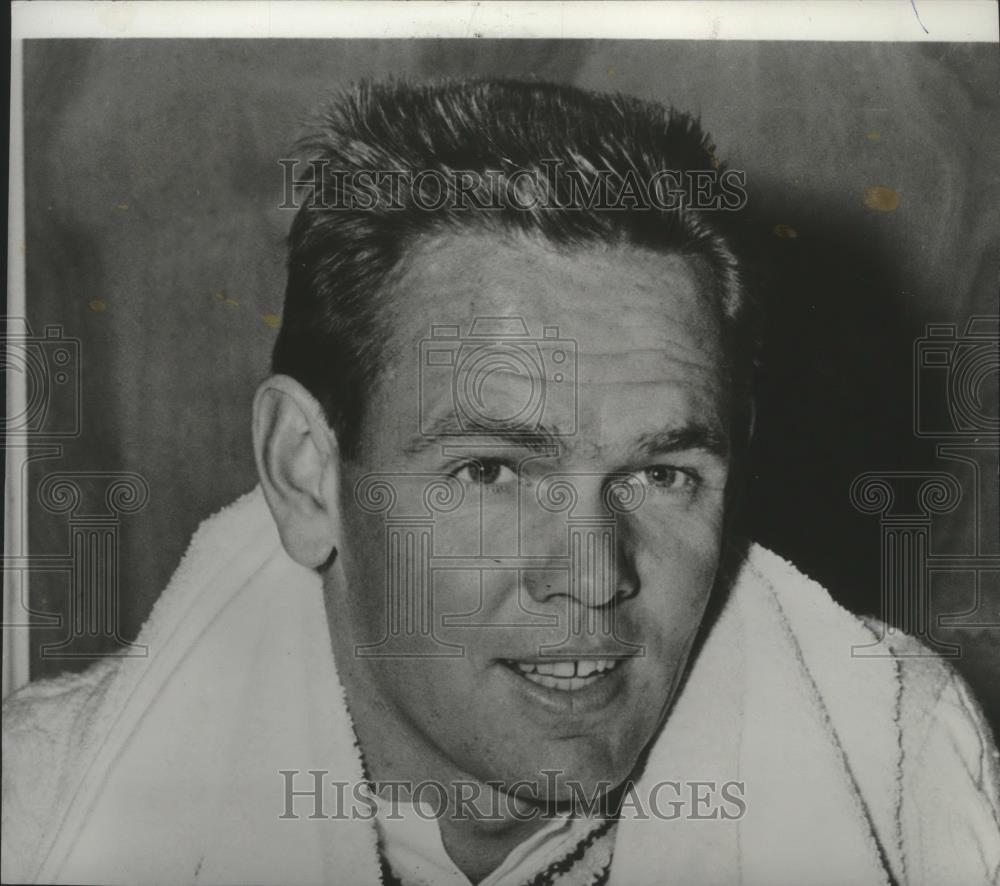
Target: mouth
(565,675)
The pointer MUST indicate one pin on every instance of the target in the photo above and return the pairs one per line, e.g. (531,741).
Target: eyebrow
(540,438)
(686,438)
(689,437)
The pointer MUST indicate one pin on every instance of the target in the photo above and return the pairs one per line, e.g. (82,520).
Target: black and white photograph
(502,444)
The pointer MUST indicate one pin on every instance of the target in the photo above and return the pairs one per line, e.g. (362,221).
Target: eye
(666,478)
(485,473)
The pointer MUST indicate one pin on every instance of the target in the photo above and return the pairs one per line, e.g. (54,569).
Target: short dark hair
(353,228)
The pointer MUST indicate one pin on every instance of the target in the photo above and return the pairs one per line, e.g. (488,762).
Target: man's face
(488,626)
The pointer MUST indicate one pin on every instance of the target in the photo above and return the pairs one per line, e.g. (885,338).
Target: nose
(586,542)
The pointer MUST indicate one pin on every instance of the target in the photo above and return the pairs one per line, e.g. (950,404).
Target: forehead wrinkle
(676,354)
(702,373)
(481,274)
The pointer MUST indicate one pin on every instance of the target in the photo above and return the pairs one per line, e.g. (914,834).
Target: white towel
(166,770)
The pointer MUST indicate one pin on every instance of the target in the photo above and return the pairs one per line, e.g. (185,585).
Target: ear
(299,465)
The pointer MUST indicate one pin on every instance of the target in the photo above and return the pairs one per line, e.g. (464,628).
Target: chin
(567,775)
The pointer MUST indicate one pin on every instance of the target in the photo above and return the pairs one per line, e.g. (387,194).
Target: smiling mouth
(567,675)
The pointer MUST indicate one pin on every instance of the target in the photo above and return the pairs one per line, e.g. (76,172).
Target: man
(509,634)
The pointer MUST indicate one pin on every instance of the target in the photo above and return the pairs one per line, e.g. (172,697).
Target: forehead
(644,341)
(611,301)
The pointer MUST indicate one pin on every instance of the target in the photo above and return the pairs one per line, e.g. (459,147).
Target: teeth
(556,668)
(566,675)
(550,682)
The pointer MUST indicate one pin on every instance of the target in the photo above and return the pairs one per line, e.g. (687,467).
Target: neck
(478,843)
(479,824)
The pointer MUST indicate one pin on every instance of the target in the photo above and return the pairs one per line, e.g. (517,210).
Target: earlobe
(298,466)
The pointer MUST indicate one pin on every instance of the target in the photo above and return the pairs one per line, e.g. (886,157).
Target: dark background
(154,237)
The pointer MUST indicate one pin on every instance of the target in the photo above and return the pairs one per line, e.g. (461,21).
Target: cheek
(686,532)
(676,563)
(400,594)
(363,561)
(470,546)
